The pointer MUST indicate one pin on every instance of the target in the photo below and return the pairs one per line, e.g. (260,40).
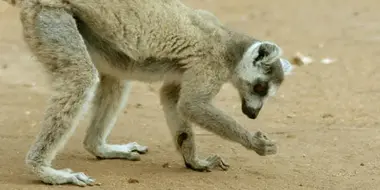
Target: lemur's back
(136,24)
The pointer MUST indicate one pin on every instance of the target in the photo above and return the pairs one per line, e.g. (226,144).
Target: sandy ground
(324,117)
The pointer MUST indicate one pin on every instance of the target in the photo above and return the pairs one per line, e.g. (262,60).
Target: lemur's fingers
(262,145)
(217,161)
(207,164)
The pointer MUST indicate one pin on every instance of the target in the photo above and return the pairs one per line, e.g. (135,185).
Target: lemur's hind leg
(53,38)
(111,97)
(182,132)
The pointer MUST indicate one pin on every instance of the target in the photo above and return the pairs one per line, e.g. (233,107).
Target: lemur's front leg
(199,86)
(182,132)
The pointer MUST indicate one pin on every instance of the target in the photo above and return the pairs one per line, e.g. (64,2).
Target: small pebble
(300,59)
(290,136)
(361,164)
(327,61)
(131,180)
(166,165)
(327,115)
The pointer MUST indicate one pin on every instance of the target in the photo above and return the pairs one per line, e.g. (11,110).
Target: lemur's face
(258,75)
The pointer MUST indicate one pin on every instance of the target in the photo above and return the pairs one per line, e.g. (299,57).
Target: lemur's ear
(266,53)
(286,66)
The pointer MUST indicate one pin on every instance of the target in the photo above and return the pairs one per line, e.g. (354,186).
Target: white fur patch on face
(254,101)
(286,66)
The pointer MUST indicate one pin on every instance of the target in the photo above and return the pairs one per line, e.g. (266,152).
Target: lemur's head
(258,75)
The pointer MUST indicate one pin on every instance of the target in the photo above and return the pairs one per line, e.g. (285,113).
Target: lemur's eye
(261,89)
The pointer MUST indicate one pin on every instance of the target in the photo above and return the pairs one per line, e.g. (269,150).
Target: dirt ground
(324,117)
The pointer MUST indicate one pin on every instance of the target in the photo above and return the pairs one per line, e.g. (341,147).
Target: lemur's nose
(261,88)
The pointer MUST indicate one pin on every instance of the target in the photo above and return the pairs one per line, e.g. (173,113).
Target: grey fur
(92,48)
